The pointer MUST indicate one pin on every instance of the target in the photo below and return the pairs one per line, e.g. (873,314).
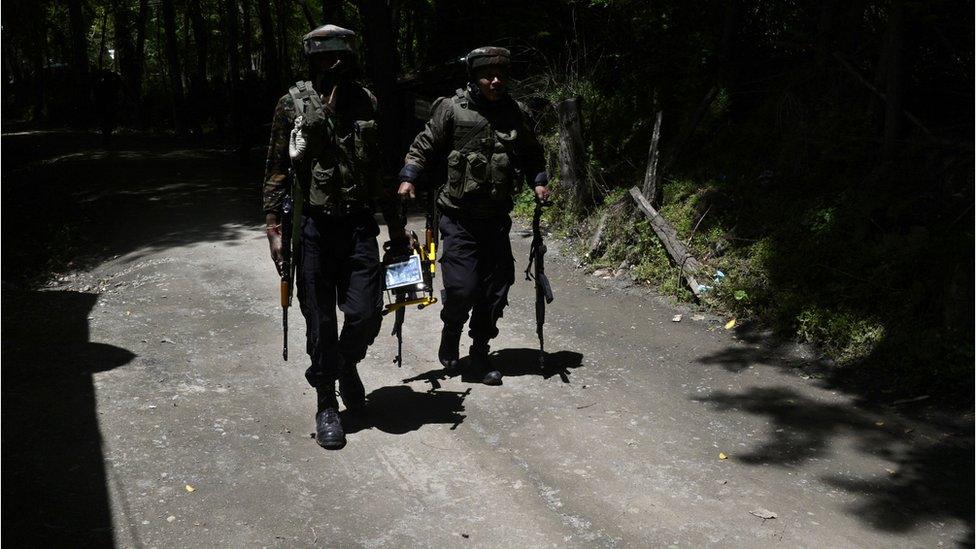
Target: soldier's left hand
(542,193)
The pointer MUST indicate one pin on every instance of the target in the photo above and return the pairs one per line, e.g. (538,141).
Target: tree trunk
(307,12)
(138,60)
(101,41)
(246,48)
(198,92)
(173,65)
(232,30)
(232,36)
(79,64)
(651,176)
(689,266)
(382,67)
(269,55)
(283,13)
(894,81)
(332,13)
(572,154)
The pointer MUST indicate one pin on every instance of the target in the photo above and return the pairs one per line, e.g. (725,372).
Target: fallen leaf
(909,430)
(764,514)
(170,518)
(190,488)
(879,423)
(891,472)
(698,317)
(730,324)
(721,455)
(676,318)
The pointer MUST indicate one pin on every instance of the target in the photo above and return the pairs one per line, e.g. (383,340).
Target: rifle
(285,270)
(536,270)
(291,210)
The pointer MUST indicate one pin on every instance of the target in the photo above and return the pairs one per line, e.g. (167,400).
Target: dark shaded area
(868,383)
(69,204)
(933,476)
(510,362)
(84,204)
(399,410)
(54,479)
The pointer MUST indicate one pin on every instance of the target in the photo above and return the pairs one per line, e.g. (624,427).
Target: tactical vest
(483,173)
(336,174)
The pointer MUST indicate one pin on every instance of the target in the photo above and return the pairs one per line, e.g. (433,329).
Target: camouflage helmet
(329,38)
(487,56)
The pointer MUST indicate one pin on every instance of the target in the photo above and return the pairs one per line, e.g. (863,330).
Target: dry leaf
(879,423)
(721,455)
(730,324)
(190,488)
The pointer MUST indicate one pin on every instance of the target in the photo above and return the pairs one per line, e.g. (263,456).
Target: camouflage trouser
(339,265)
(478,269)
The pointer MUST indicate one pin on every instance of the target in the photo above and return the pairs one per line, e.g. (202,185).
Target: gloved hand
(298,142)
(399,247)
(273,230)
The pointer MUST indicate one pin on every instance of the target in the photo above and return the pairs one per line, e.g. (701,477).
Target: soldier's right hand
(407,191)
(277,250)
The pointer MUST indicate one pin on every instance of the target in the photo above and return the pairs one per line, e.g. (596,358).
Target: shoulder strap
(462,112)
(307,101)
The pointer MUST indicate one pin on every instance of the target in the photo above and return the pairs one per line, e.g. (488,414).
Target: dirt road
(145,404)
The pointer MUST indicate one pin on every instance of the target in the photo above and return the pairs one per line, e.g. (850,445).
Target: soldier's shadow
(511,363)
(399,409)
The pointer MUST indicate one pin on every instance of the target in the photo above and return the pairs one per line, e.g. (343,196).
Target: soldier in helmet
(325,131)
(491,150)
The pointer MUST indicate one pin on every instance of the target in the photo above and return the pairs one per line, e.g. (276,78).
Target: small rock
(602,272)
(171,518)
(166,340)
(676,318)
(764,514)
(698,317)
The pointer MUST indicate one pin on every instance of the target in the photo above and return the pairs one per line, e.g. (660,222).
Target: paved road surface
(155,370)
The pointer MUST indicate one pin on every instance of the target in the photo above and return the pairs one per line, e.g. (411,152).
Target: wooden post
(687,264)
(572,153)
(651,176)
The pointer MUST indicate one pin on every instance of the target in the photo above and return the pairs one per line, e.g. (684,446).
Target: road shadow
(932,479)
(86,205)
(54,476)
(399,410)
(511,363)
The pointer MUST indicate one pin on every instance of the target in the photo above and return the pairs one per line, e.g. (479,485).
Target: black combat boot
(328,428)
(448,352)
(481,364)
(351,387)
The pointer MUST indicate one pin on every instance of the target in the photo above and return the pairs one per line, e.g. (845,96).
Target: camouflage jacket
(490,150)
(330,185)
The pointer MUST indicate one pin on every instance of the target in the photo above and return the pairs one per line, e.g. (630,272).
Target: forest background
(817,157)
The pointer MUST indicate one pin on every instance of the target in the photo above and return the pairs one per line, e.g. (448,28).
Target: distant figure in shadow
(54,479)
(106,91)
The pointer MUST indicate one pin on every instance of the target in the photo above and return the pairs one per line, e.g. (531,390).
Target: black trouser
(339,264)
(478,269)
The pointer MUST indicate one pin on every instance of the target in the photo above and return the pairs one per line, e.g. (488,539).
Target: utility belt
(341,210)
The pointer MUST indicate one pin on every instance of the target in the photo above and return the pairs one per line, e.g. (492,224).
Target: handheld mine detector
(536,270)
(409,278)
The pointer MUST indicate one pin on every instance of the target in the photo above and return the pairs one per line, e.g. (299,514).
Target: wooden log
(651,175)
(689,266)
(572,153)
